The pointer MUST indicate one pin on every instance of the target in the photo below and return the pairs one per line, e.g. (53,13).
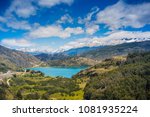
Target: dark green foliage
(19,95)
(131,80)
(3,67)
(2,93)
(32,96)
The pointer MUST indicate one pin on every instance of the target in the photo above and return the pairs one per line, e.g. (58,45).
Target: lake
(67,72)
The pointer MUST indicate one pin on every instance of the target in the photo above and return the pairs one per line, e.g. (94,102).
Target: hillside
(118,78)
(122,49)
(56,56)
(73,61)
(12,59)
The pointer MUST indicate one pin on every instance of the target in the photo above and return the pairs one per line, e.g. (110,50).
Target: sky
(57,25)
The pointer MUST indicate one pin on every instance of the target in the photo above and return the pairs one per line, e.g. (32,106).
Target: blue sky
(53,25)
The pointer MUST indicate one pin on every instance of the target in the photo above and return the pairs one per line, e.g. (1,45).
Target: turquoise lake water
(67,72)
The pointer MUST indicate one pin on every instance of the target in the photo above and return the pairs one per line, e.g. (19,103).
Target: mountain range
(115,50)
(85,56)
(92,54)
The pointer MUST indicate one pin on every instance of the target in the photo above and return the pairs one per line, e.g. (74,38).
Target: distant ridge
(99,52)
(88,56)
(121,49)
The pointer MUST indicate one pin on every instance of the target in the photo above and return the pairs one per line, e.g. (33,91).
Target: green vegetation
(129,79)
(117,78)
(33,85)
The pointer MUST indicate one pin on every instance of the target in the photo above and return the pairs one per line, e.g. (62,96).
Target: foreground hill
(12,59)
(118,78)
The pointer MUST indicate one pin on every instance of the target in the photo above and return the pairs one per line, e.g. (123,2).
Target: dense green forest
(119,77)
(129,79)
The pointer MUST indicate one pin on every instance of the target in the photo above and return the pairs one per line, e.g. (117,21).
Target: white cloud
(112,39)
(21,25)
(28,8)
(25,9)
(90,25)
(76,31)
(2,19)
(51,3)
(123,15)
(42,49)
(22,8)
(16,42)
(89,16)
(92,29)
(23,44)
(54,31)
(12,22)
(65,19)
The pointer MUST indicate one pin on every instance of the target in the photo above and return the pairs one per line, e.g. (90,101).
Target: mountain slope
(55,56)
(122,49)
(118,78)
(12,59)
(78,51)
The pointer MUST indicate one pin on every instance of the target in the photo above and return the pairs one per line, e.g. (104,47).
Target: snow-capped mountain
(129,40)
(85,44)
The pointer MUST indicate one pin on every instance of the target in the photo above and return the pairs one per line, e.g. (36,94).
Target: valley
(123,73)
(75,50)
